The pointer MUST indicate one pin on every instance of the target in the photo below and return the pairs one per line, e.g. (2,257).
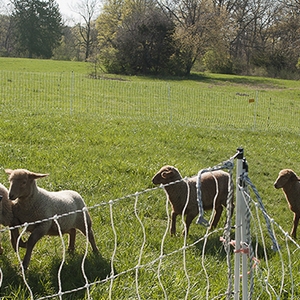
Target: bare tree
(198,25)
(88,10)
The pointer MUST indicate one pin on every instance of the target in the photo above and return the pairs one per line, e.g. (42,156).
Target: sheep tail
(225,165)
(201,220)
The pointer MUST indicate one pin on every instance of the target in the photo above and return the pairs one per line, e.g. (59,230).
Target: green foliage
(104,158)
(142,43)
(37,27)
(218,62)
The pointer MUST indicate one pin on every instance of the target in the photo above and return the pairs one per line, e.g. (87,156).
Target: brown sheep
(290,184)
(177,194)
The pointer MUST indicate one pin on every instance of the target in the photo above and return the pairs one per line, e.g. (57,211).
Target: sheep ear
(165,174)
(8,171)
(37,175)
(294,177)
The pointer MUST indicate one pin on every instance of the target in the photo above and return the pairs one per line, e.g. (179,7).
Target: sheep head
(21,182)
(166,175)
(285,176)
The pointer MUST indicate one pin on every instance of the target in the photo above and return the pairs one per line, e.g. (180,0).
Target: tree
(6,31)
(38,27)
(198,26)
(68,48)
(236,36)
(144,42)
(135,37)
(87,9)
(107,25)
(6,36)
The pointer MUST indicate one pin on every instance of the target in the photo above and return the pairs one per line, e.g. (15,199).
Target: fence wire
(160,101)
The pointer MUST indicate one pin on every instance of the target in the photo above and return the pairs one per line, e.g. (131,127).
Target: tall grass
(105,157)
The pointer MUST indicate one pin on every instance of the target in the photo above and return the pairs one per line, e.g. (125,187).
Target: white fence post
(241,253)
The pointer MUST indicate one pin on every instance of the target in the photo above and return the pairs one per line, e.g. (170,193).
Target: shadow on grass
(96,268)
(225,78)
(45,282)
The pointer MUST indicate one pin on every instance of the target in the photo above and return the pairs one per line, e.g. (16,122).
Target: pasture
(108,152)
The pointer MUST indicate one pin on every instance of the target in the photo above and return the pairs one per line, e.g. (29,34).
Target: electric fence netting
(249,244)
(75,94)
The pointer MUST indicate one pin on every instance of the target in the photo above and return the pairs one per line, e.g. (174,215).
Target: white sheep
(177,194)
(290,184)
(33,203)
(6,215)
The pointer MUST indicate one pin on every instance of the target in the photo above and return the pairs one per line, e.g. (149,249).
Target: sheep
(290,184)
(33,203)
(6,216)
(177,194)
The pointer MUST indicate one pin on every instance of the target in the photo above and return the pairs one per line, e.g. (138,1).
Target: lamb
(290,184)
(6,215)
(33,203)
(177,194)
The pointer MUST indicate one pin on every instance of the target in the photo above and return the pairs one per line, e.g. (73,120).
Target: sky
(68,14)
(65,6)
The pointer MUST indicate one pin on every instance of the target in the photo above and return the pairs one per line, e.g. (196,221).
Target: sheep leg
(92,241)
(35,236)
(296,221)
(188,221)
(91,236)
(173,223)
(72,237)
(14,235)
(217,216)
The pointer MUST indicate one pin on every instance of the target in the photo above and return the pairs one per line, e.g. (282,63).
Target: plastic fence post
(71,93)
(240,233)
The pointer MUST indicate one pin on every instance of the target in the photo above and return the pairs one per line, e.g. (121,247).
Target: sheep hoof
(202,221)
(23,244)
(183,233)
(96,252)
(71,250)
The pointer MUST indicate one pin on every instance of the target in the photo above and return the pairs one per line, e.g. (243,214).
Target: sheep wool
(5,209)
(290,184)
(180,191)
(33,203)
(6,216)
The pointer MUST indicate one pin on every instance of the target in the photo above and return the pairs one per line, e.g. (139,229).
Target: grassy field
(106,158)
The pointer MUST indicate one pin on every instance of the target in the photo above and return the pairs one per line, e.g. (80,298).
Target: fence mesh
(70,94)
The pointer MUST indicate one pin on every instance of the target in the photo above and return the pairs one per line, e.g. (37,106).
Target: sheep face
(21,182)
(285,176)
(166,175)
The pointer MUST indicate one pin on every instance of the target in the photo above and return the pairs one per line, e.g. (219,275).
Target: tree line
(165,37)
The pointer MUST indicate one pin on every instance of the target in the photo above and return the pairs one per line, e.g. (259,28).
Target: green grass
(105,157)
(37,65)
